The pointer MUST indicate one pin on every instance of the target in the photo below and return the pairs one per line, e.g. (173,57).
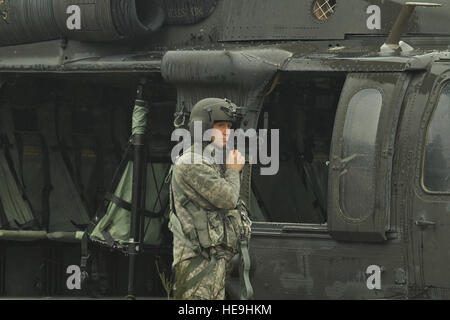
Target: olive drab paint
(342,217)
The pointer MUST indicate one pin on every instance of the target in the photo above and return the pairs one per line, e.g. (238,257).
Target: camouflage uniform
(199,185)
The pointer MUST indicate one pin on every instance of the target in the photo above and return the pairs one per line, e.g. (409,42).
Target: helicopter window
(358,158)
(303,108)
(436,170)
(323,9)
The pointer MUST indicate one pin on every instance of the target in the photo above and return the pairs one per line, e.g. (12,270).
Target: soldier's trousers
(210,281)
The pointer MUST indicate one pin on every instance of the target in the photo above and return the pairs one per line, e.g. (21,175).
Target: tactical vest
(212,229)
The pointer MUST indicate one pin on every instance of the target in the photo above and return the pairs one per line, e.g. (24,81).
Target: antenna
(393,42)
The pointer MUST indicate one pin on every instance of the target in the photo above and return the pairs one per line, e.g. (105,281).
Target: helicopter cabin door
(424,163)
(361,156)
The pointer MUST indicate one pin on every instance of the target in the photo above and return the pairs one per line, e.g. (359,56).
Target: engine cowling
(25,21)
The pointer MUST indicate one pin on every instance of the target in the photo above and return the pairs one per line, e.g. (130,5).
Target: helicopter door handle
(424,223)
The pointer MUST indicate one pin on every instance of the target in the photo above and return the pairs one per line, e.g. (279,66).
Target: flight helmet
(211,110)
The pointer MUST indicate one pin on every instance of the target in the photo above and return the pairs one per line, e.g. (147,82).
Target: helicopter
(358,89)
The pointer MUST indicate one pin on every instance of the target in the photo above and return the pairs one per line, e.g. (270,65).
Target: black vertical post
(137,199)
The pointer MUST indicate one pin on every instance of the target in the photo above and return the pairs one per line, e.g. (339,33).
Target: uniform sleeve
(223,193)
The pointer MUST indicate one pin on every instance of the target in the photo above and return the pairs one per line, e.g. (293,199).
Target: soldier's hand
(235,160)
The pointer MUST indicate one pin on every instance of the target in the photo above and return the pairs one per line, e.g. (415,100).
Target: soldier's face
(221,133)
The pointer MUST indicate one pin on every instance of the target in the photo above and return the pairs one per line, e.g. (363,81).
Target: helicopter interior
(88,126)
(303,108)
(64,141)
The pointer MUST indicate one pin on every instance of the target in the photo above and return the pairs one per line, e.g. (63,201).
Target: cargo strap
(20,182)
(110,197)
(85,253)
(19,144)
(4,223)
(32,223)
(108,238)
(244,272)
(127,206)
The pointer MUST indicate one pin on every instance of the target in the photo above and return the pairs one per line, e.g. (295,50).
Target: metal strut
(394,42)
(139,128)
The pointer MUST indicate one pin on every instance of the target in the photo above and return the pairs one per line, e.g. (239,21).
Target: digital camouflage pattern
(200,185)
(210,284)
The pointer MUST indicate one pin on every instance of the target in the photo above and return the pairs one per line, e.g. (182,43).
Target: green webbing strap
(244,270)
(20,184)
(139,121)
(127,206)
(85,253)
(101,211)
(168,177)
(108,238)
(117,201)
(19,144)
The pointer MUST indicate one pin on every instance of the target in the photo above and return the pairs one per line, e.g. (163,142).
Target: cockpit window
(358,160)
(436,170)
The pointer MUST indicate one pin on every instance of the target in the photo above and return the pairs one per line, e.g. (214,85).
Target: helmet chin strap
(220,146)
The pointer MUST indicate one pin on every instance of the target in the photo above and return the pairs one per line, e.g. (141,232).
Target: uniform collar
(211,151)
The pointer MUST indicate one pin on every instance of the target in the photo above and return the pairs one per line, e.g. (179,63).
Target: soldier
(209,222)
